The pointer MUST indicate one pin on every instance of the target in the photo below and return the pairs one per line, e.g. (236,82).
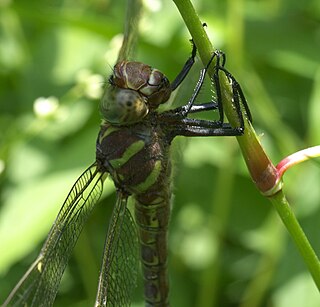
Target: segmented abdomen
(137,159)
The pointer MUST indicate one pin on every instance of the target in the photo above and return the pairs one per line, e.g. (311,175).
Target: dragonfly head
(148,81)
(135,89)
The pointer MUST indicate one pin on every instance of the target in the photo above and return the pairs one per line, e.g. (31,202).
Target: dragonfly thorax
(136,157)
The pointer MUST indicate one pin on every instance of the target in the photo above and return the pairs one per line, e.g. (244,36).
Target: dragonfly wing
(39,286)
(120,263)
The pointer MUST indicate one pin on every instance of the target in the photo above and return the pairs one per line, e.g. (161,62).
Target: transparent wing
(120,263)
(39,286)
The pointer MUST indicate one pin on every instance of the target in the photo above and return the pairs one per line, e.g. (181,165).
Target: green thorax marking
(107,132)
(132,150)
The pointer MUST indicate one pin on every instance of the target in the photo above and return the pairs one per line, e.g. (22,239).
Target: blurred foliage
(227,246)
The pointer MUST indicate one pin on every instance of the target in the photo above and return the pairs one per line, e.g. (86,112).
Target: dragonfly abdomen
(153,223)
(152,213)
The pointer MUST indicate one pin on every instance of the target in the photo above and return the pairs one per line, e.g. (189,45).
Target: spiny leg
(186,68)
(216,79)
(236,87)
(197,127)
(192,130)
(237,92)
(179,124)
(188,108)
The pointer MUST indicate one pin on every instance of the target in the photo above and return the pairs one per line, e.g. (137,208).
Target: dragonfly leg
(186,68)
(237,88)
(197,127)
(237,92)
(237,97)
(189,107)
(224,130)
(208,106)
(216,79)
(203,72)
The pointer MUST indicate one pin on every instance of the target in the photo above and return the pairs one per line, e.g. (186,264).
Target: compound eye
(157,89)
(150,82)
(123,106)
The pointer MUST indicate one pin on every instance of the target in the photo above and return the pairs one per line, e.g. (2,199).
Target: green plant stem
(133,16)
(262,171)
(283,208)
(195,28)
(204,46)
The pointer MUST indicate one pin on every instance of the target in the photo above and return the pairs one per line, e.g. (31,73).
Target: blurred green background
(227,246)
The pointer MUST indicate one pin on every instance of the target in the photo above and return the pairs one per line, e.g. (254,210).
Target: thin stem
(130,36)
(263,172)
(297,157)
(283,208)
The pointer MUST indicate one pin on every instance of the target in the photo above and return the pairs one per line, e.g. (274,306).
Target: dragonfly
(133,149)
